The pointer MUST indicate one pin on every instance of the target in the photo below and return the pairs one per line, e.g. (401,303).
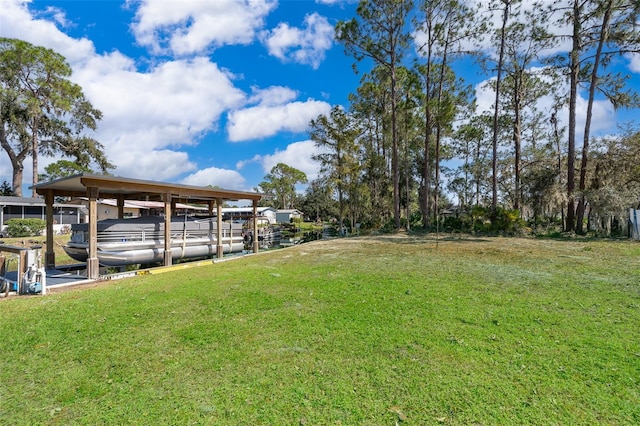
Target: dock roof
(137,189)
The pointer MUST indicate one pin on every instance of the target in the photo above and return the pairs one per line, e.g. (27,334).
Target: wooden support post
(120,200)
(3,269)
(21,254)
(167,229)
(256,243)
(50,256)
(93,266)
(22,270)
(219,248)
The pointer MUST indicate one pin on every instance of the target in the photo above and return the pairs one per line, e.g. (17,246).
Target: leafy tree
(336,137)
(281,184)
(446,25)
(615,180)
(472,145)
(505,8)
(616,24)
(318,202)
(6,189)
(63,168)
(42,111)
(410,131)
(380,34)
(369,107)
(601,30)
(525,40)
(538,188)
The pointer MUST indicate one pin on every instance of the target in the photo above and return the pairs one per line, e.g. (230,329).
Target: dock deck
(55,279)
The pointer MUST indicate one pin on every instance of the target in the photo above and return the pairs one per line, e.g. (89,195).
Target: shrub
(482,220)
(25,227)
(507,221)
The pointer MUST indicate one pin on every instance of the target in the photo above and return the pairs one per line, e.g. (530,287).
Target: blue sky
(217,101)
(209,92)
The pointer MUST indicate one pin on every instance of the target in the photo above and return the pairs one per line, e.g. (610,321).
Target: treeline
(414,149)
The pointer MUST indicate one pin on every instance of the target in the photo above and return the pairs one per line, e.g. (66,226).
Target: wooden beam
(120,200)
(123,185)
(167,229)
(50,256)
(93,265)
(64,193)
(256,243)
(219,248)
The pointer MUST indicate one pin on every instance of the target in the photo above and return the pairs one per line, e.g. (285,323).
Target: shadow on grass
(422,237)
(570,237)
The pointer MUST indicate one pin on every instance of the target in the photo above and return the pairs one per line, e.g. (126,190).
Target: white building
(35,208)
(241,214)
(285,216)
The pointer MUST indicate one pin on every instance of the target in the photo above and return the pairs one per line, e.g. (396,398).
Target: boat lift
(29,277)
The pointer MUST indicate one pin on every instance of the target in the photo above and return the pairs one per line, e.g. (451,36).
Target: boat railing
(145,235)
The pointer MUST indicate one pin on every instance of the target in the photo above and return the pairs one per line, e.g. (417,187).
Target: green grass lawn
(358,331)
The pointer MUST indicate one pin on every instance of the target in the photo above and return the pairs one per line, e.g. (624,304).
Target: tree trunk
(439,131)
(341,212)
(426,170)
(496,108)
(406,174)
(17,180)
(394,149)
(573,96)
(34,156)
(17,161)
(517,134)
(604,33)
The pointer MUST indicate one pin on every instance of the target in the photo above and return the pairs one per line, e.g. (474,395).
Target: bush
(25,227)
(482,220)
(507,221)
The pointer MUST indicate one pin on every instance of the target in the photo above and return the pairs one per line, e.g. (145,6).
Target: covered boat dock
(95,187)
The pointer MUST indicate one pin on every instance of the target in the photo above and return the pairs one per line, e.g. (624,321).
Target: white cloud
(150,115)
(634,62)
(170,105)
(158,165)
(228,179)
(17,22)
(186,27)
(241,164)
(297,155)
(262,121)
(301,45)
(58,16)
(274,95)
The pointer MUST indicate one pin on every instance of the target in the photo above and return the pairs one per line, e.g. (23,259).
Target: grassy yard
(359,331)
